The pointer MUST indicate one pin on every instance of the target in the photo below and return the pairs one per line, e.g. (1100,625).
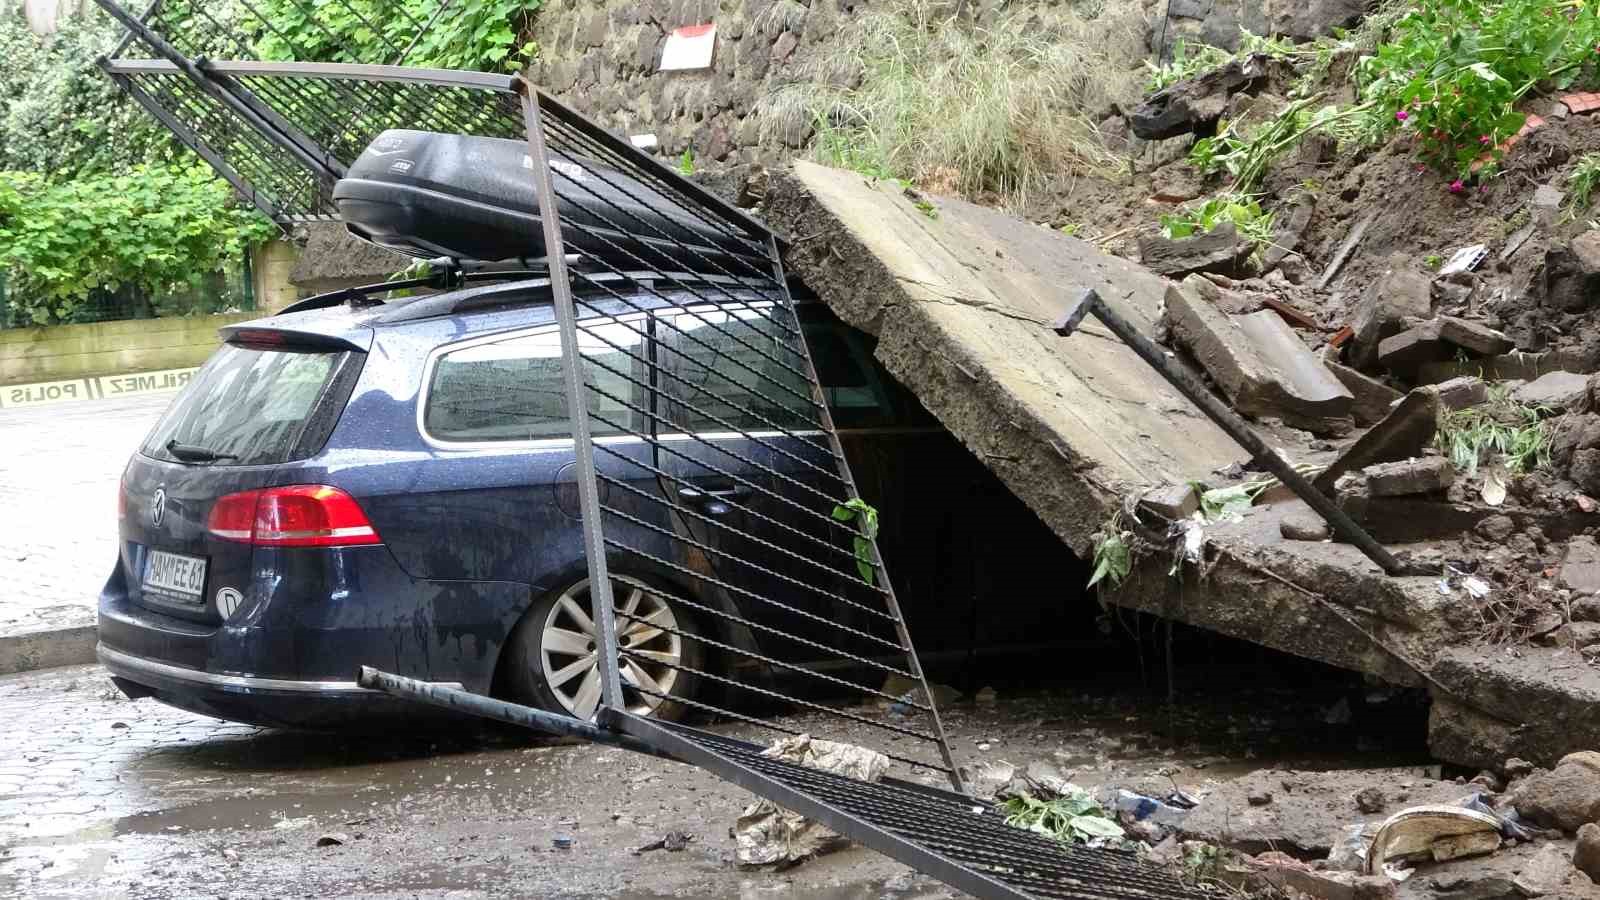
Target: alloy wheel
(569,648)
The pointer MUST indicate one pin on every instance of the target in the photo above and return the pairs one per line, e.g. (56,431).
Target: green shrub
(160,230)
(486,35)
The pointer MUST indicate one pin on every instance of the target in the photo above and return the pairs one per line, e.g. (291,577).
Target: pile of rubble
(1518,832)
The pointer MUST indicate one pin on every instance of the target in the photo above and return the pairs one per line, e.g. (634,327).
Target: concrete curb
(47,649)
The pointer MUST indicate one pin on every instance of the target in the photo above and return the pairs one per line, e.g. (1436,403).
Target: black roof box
(428,195)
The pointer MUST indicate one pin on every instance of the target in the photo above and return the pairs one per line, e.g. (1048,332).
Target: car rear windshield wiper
(191,453)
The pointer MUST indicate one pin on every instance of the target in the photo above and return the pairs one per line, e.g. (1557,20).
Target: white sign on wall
(689,47)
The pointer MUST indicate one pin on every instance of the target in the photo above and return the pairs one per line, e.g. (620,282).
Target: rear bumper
(275,702)
(136,668)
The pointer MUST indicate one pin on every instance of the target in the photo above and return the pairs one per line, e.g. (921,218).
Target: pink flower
(1483,139)
(1483,189)
(1401,114)
(1457,187)
(1421,169)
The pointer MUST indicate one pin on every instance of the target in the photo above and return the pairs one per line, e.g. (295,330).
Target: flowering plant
(1454,70)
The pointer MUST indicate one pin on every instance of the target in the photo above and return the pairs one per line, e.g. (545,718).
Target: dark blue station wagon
(392,484)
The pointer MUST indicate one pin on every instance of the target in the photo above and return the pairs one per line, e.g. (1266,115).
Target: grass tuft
(911,92)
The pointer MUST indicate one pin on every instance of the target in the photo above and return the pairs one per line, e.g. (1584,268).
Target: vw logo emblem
(158,507)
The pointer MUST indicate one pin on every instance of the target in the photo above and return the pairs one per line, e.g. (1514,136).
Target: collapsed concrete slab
(962,302)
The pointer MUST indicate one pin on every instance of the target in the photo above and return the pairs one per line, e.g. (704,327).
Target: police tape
(100,387)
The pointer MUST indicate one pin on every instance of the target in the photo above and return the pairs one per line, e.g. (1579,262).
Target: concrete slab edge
(48,649)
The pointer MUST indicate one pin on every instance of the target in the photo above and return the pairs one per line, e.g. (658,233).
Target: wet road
(58,490)
(105,797)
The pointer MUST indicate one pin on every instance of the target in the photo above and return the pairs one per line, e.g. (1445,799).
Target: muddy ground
(105,797)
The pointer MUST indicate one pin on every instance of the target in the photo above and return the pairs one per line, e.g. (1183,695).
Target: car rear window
(253,406)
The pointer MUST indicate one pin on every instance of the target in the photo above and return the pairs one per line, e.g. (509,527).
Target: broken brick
(1581,102)
(1172,501)
(1424,475)
(1388,302)
(1218,250)
(1463,392)
(1436,340)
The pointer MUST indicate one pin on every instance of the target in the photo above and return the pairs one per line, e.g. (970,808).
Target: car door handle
(714,500)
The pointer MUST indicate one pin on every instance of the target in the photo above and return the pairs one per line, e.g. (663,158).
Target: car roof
(349,317)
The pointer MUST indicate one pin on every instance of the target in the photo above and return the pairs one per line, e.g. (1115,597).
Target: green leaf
(1095,826)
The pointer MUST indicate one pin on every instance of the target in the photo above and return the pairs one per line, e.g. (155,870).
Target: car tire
(552,661)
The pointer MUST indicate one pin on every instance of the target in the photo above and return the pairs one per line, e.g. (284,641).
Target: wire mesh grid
(721,507)
(962,841)
(718,481)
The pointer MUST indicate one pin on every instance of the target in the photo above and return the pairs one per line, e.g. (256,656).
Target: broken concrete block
(1196,102)
(1580,566)
(1572,274)
(1218,250)
(1577,635)
(1301,878)
(1172,501)
(1437,340)
(1558,391)
(1546,206)
(1425,475)
(1258,362)
(1565,797)
(1463,392)
(1400,294)
(1373,398)
(1401,435)
(1586,856)
(1304,526)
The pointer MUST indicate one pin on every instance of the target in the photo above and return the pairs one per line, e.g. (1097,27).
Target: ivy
(157,229)
(486,36)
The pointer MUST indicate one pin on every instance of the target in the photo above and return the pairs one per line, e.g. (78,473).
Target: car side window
(512,390)
(733,366)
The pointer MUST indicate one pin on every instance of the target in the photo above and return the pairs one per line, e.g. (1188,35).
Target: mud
(104,797)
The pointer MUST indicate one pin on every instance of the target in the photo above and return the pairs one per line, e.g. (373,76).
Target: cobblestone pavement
(58,529)
(105,797)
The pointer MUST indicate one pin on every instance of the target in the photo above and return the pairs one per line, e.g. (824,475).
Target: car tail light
(301,515)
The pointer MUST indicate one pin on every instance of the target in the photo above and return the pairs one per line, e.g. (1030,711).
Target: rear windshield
(248,406)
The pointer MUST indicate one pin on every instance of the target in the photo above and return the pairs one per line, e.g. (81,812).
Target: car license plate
(173,576)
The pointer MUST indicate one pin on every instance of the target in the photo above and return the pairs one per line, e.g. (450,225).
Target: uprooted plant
(1585,177)
(1113,554)
(1500,429)
(865,517)
(1074,817)
(1243,210)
